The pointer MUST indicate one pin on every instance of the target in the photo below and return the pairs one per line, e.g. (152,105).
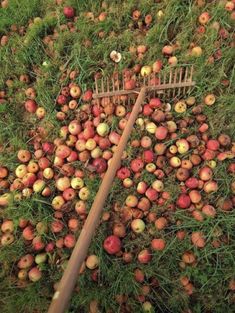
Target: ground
(46,46)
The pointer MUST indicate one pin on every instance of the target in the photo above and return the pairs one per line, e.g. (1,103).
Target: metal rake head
(174,82)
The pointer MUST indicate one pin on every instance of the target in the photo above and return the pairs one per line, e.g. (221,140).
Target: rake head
(174,83)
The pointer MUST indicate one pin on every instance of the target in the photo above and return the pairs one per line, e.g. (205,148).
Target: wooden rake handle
(62,296)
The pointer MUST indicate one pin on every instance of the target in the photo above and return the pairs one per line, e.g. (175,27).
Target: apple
(131,201)
(40,258)
(48,173)
(161,133)
(204,18)
(114,138)
(62,183)
(3,172)
(69,12)
(144,256)
(35,274)
(182,146)
(172,61)
(147,110)
(158,185)
(100,165)
(209,210)
(48,147)
(195,196)
(119,230)
(138,226)
(25,261)
(84,193)
(182,174)
(167,50)
(144,204)
(192,183)
(137,165)
(32,167)
(74,127)
(92,262)
(224,140)
(69,194)
(175,161)
(7,226)
(77,183)
(205,173)
(29,179)
(39,185)
(24,155)
(229,6)
(155,103)
(209,99)
(145,70)
(158,244)
(30,106)
(213,144)
(123,173)
(62,151)
(147,307)
(21,170)
(43,163)
(151,194)
(28,233)
(90,144)
(112,244)
(58,202)
(7,239)
(196,51)
(37,243)
(150,167)
(102,129)
(210,186)
(69,241)
(130,84)
(183,201)
(157,66)
(171,126)
(160,148)
(151,128)
(142,187)
(148,156)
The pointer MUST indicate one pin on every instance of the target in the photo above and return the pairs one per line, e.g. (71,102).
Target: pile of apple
(169,140)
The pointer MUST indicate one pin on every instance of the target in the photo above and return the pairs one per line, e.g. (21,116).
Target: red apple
(213,144)
(155,103)
(112,244)
(123,173)
(100,165)
(137,165)
(35,274)
(161,133)
(183,201)
(69,12)
(144,256)
(30,106)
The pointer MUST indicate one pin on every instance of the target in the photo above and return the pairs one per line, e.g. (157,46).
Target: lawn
(50,143)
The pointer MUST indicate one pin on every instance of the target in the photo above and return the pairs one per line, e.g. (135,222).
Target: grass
(85,51)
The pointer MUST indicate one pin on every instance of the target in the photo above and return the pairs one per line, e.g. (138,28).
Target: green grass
(83,50)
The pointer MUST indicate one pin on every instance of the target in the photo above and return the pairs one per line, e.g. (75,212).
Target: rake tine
(175,79)
(118,88)
(180,81)
(96,86)
(190,78)
(170,79)
(185,79)
(102,84)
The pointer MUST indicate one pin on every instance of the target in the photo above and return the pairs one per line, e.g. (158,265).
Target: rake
(174,83)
